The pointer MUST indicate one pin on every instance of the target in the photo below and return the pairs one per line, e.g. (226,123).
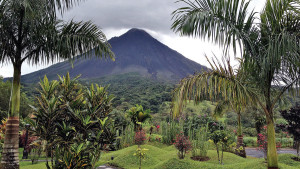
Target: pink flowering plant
(182,144)
(262,143)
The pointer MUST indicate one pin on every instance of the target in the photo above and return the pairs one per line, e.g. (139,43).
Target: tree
(269,52)
(30,31)
(138,115)
(5,90)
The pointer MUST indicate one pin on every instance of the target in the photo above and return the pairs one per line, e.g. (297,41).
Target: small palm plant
(138,115)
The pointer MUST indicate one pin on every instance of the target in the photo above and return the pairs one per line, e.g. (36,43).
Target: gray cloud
(117,14)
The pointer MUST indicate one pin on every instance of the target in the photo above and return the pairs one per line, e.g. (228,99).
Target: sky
(115,17)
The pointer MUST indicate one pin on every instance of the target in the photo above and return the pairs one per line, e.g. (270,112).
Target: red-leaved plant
(30,140)
(140,137)
(182,144)
(262,143)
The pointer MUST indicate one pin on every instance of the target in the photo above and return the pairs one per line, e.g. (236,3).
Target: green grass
(165,157)
(29,165)
(159,156)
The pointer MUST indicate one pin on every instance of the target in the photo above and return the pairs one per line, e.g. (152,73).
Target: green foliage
(5,90)
(169,131)
(73,119)
(141,155)
(200,143)
(131,89)
(138,116)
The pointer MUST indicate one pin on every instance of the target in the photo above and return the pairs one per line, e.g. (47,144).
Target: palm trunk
(240,142)
(239,130)
(10,154)
(272,156)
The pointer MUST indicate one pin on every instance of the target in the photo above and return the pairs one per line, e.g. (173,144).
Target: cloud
(115,17)
(117,14)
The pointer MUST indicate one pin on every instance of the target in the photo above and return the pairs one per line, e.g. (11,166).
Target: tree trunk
(272,156)
(239,130)
(240,143)
(10,154)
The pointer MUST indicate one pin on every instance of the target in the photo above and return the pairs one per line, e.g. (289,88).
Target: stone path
(253,152)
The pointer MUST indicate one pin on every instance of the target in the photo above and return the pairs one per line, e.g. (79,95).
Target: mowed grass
(165,157)
(160,156)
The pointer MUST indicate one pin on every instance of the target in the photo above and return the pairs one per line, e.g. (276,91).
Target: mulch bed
(113,166)
(296,159)
(198,158)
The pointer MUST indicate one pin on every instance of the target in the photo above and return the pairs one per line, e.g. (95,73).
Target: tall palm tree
(31,32)
(269,50)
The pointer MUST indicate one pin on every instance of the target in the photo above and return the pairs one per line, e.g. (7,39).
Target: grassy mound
(165,157)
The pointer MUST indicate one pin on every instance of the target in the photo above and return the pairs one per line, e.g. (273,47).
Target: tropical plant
(138,115)
(219,137)
(269,48)
(200,144)
(141,155)
(127,137)
(68,114)
(220,109)
(30,31)
(140,137)
(169,131)
(182,144)
(293,118)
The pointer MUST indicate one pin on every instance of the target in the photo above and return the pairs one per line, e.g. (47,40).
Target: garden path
(253,152)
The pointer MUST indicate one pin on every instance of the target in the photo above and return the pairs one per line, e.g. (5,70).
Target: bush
(127,137)
(73,120)
(250,132)
(183,145)
(200,144)
(169,131)
(250,141)
(140,137)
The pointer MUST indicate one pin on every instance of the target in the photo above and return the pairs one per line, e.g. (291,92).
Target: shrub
(169,131)
(68,115)
(220,138)
(127,137)
(140,137)
(182,144)
(200,144)
(250,141)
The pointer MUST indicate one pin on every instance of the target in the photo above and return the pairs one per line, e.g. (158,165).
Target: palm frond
(225,22)
(220,83)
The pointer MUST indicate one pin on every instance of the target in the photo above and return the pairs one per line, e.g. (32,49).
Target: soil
(198,158)
(296,159)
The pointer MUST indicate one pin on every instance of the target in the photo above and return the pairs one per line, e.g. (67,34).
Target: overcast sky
(115,17)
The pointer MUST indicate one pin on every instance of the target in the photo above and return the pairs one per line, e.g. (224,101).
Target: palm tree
(138,115)
(31,32)
(269,50)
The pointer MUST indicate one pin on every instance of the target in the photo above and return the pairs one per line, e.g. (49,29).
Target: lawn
(164,157)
